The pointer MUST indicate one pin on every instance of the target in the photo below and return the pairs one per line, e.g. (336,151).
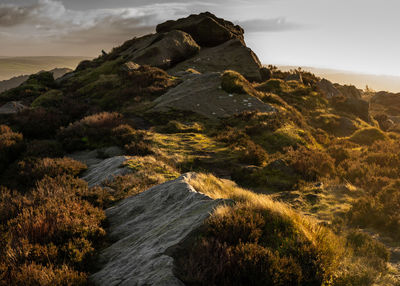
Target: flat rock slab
(101,169)
(203,95)
(144,226)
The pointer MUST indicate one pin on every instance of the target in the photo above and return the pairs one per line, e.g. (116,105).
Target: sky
(354,35)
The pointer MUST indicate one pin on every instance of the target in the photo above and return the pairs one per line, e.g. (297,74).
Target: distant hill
(16,66)
(360,80)
(17,80)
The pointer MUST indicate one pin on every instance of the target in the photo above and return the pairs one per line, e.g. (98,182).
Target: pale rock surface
(202,94)
(144,227)
(100,169)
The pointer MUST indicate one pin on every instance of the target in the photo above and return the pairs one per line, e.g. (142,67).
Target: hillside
(17,66)
(178,159)
(16,81)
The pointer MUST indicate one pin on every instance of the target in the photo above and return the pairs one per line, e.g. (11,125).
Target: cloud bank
(47,27)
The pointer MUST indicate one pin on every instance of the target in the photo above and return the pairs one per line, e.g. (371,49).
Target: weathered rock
(202,94)
(105,170)
(162,50)
(349,91)
(130,66)
(327,89)
(206,29)
(384,122)
(12,107)
(144,227)
(232,55)
(101,169)
(265,73)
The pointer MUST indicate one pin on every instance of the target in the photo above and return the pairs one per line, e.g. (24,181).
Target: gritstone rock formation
(144,227)
(206,29)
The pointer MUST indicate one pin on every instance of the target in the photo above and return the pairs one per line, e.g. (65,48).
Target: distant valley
(17,66)
(360,80)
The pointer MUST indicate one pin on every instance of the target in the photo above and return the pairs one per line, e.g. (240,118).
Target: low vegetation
(313,156)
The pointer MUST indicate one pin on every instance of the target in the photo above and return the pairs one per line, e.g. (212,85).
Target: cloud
(268,25)
(49,22)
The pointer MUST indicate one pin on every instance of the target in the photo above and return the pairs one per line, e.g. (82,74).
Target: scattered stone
(12,107)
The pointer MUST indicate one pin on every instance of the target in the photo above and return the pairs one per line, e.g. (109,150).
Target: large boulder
(161,50)
(144,227)
(206,29)
(203,94)
(232,55)
(327,89)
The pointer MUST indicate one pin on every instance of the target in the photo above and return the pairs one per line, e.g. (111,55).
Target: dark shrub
(11,145)
(44,148)
(39,122)
(253,154)
(27,172)
(310,164)
(90,132)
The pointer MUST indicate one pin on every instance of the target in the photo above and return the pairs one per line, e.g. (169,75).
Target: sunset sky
(355,35)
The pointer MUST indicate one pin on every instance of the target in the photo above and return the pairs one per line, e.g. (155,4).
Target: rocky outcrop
(12,107)
(232,55)
(349,91)
(162,50)
(202,94)
(327,89)
(206,29)
(144,227)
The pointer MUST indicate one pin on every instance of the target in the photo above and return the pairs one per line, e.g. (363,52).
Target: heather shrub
(255,242)
(133,141)
(25,173)
(146,81)
(234,82)
(11,145)
(52,98)
(368,136)
(52,223)
(378,211)
(39,122)
(43,149)
(253,154)
(31,274)
(90,132)
(310,164)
